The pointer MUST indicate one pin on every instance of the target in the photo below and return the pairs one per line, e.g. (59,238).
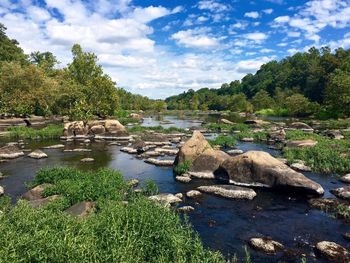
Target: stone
(167,151)
(87,160)
(56,146)
(98,129)
(225,121)
(183,179)
(2,191)
(135,116)
(151,154)
(36,192)
(301,143)
(115,127)
(185,209)
(335,134)
(193,194)
(10,152)
(165,199)
(248,139)
(333,252)
(42,201)
(258,168)
(234,152)
(179,195)
(266,245)
(37,154)
(300,166)
(278,135)
(128,150)
(300,126)
(345,178)
(77,150)
(342,192)
(229,191)
(133,182)
(256,122)
(74,128)
(82,209)
(159,162)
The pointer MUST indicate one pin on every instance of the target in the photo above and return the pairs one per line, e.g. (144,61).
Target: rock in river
(333,252)
(193,194)
(159,162)
(342,192)
(165,199)
(183,179)
(1,190)
(345,178)
(257,168)
(301,143)
(87,160)
(10,152)
(266,245)
(229,191)
(36,192)
(37,154)
(43,201)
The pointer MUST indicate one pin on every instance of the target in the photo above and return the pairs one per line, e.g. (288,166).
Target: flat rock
(165,199)
(300,166)
(43,201)
(82,209)
(129,150)
(37,154)
(56,146)
(78,150)
(159,162)
(342,192)
(258,168)
(249,139)
(301,143)
(333,252)
(87,160)
(300,126)
(229,191)
(234,152)
(345,178)
(225,121)
(10,152)
(167,151)
(183,179)
(193,194)
(185,209)
(266,245)
(36,192)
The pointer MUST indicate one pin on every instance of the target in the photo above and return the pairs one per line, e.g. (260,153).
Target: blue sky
(161,48)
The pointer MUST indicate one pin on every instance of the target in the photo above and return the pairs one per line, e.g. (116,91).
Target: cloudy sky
(163,47)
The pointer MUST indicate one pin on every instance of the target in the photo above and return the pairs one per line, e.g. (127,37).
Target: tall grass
(52,131)
(224,141)
(140,231)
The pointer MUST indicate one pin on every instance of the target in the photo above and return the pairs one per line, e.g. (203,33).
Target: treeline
(33,84)
(313,82)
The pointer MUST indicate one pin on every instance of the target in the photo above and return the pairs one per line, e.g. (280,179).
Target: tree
(298,105)
(262,100)
(45,60)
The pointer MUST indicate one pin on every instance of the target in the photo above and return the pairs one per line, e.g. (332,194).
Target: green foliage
(328,156)
(262,100)
(150,188)
(224,141)
(182,168)
(277,112)
(138,128)
(52,131)
(298,105)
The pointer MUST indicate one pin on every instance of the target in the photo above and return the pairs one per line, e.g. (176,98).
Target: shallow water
(223,224)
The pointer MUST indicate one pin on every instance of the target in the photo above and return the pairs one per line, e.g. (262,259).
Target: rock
(37,154)
(234,152)
(165,199)
(36,192)
(135,116)
(1,176)
(183,179)
(10,152)
(151,154)
(193,194)
(185,209)
(225,121)
(324,204)
(43,201)
(167,151)
(179,195)
(249,139)
(335,134)
(333,252)
(345,178)
(266,245)
(82,209)
(133,182)
(87,141)
(301,143)
(56,146)
(342,192)
(75,128)
(229,191)
(128,150)
(77,150)
(300,166)
(300,126)
(346,236)
(87,160)
(2,191)
(278,135)
(257,168)
(159,162)
(283,160)
(256,122)
(98,129)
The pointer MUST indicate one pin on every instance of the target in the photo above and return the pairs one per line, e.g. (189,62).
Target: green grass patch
(182,168)
(52,131)
(224,141)
(280,112)
(328,156)
(159,128)
(140,231)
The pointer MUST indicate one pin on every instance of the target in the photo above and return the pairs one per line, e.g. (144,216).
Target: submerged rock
(10,152)
(36,192)
(333,252)
(266,245)
(342,192)
(257,168)
(193,194)
(185,209)
(82,209)
(37,154)
(229,191)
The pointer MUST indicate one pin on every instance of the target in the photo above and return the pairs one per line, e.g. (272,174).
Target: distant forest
(313,82)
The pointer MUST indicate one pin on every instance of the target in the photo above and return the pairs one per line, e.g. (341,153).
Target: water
(222,224)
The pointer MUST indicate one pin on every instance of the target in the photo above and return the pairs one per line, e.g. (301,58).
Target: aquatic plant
(52,131)
(224,141)
(139,231)
(182,168)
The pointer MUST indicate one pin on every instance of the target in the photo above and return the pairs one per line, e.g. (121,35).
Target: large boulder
(10,152)
(301,143)
(257,168)
(342,192)
(300,126)
(75,128)
(98,129)
(36,192)
(333,252)
(229,191)
(266,245)
(115,128)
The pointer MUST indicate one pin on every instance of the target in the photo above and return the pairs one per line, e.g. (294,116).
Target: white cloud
(268,11)
(253,15)
(293,34)
(257,36)
(249,66)
(282,19)
(198,38)
(213,6)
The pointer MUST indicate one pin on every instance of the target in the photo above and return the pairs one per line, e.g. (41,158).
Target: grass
(328,156)
(273,112)
(183,168)
(224,141)
(52,131)
(140,231)
(161,129)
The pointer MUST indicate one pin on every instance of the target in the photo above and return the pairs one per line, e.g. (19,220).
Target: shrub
(182,168)
(52,131)
(224,141)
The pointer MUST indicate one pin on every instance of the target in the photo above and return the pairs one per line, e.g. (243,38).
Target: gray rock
(185,209)
(133,182)
(266,245)
(234,152)
(229,191)
(82,209)
(36,192)
(87,160)
(249,139)
(342,192)
(193,194)
(300,166)
(183,179)
(159,162)
(165,199)
(37,154)
(10,152)
(56,146)
(43,201)
(77,150)
(333,252)
(345,178)
(129,150)
(301,143)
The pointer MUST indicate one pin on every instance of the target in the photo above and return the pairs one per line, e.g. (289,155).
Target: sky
(164,47)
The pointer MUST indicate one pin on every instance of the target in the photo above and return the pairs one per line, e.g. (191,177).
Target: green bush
(224,141)
(182,168)
(52,131)
(140,231)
